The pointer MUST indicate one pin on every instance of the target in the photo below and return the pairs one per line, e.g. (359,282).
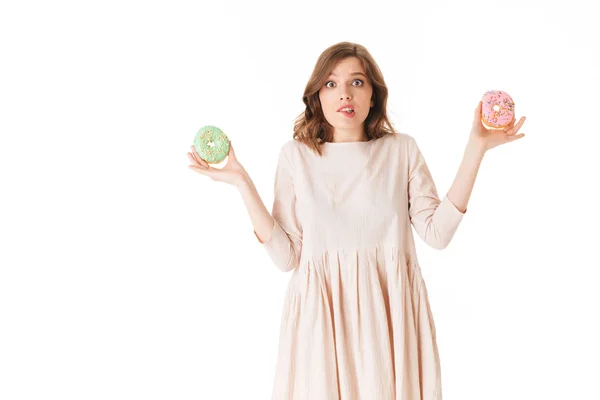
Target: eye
(356,80)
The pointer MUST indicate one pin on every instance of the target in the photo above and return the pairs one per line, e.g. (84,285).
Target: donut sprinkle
(497,109)
(211,144)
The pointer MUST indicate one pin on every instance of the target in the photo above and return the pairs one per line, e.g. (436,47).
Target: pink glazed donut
(497,109)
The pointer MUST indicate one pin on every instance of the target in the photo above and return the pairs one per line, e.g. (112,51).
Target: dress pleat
(356,320)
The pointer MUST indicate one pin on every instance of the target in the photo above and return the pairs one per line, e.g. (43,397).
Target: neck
(349,136)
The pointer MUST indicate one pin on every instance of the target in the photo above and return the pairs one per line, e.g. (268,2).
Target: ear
(372,103)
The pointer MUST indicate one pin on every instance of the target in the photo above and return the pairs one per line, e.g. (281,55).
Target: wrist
(475,147)
(243,181)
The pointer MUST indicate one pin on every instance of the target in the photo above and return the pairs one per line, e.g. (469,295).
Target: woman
(356,321)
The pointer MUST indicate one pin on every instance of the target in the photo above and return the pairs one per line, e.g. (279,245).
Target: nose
(345,92)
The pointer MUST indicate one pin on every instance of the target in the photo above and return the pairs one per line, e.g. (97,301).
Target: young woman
(356,322)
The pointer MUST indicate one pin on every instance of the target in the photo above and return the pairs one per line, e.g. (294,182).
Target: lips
(346,106)
(348,115)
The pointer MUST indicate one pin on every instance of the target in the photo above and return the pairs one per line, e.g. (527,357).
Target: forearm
(262,220)
(462,187)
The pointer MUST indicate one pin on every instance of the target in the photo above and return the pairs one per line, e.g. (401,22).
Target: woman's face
(347,84)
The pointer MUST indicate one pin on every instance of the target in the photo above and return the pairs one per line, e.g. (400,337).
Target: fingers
(195,162)
(231,152)
(202,170)
(208,171)
(509,128)
(198,164)
(521,122)
(478,111)
(197,159)
(515,137)
(512,128)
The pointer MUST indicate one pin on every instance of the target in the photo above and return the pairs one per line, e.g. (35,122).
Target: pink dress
(356,321)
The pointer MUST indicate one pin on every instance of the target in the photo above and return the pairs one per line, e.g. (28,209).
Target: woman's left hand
(489,138)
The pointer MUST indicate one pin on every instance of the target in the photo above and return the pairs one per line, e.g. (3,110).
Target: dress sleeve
(434,220)
(285,243)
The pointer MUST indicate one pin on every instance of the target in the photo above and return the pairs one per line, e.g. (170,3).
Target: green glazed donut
(211,144)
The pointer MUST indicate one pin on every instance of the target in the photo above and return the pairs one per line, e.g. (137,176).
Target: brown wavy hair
(311,126)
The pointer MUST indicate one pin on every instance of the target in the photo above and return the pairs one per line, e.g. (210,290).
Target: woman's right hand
(233,172)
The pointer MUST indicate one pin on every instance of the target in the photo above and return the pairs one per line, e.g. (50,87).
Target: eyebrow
(353,73)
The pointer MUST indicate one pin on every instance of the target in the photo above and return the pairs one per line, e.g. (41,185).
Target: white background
(126,275)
